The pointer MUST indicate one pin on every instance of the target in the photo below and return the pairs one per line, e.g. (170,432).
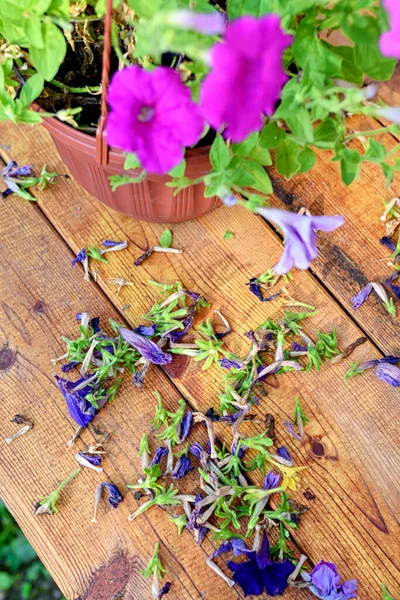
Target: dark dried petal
(143,257)
(110,243)
(158,455)
(386,241)
(226,363)
(93,459)
(182,467)
(291,431)
(69,366)
(283,453)
(177,334)
(164,590)
(270,426)
(146,330)
(298,347)
(80,409)
(185,426)
(255,289)
(80,257)
(114,495)
(395,288)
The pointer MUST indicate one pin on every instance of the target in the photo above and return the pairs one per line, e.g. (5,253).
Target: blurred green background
(22,575)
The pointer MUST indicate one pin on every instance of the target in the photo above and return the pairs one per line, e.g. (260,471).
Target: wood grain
(350,448)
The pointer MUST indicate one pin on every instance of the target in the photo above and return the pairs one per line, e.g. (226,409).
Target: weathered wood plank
(39,298)
(353,516)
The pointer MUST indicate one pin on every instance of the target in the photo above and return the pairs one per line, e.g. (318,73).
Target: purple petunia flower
(395,288)
(324,582)
(246,77)
(389,42)
(300,238)
(146,347)
(182,467)
(159,454)
(386,241)
(389,374)
(153,115)
(80,409)
(114,495)
(261,572)
(210,23)
(283,453)
(271,481)
(146,330)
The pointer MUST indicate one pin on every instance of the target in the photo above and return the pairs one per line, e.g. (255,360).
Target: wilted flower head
(185,426)
(394,287)
(261,572)
(91,461)
(271,481)
(159,454)
(114,497)
(82,257)
(246,76)
(389,42)
(80,409)
(182,467)
(300,238)
(153,115)
(146,347)
(325,583)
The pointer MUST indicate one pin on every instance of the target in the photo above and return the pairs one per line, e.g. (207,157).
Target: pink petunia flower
(389,42)
(247,76)
(300,238)
(153,115)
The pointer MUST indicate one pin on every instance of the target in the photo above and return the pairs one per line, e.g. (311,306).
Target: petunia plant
(253,82)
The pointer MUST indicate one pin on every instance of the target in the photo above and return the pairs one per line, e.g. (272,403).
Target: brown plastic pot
(150,200)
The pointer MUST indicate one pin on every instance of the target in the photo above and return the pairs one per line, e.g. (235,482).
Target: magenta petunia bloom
(247,76)
(153,115)
(389,42)
(300,237)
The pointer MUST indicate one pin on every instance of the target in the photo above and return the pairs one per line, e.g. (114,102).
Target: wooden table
(351,448)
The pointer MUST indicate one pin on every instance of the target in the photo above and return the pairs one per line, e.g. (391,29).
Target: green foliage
(166,238)
(22,575)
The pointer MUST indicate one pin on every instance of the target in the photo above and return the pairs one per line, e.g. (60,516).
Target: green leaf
(261,155)
(350,162)
(29,117)
(33,31)
(245,147)
(262,182)
(286,158)
(306,158)
(376,152)
(386,595)
(300,124)
(228,235)
(48,60)
(6,581)
(350,70)
(179,170)
(219,154)
(31,89)
(145,8)
(364,32)
(271,136)
(166,238)
(59,8)
(326,134)
(131,162)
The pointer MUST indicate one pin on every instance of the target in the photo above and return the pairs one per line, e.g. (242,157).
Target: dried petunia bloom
(19,420)
(146,347)
(246,76)
(261,572)
(82,257)
(114,497)
(91,461)
(300,238)
(325,580)
(389,374)
(80,409)
(389,42)
(153,115)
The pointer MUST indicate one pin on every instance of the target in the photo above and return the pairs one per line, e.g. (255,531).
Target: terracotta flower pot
(150,200)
